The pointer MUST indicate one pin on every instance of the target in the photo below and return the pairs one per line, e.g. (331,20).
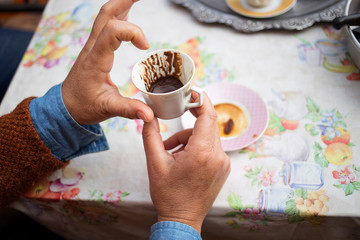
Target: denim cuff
(173,231)
(60,132)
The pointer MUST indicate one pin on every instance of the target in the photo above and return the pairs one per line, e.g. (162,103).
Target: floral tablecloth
(301,180)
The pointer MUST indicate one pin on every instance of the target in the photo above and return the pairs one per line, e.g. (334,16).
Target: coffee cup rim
(164,50)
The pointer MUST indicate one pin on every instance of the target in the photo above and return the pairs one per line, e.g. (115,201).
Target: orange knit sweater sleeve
(24,158)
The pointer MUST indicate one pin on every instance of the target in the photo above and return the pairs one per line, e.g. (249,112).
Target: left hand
(88,91)
(185,183)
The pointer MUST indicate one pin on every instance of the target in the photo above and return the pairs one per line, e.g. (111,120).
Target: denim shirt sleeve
(169,230)
(60,132)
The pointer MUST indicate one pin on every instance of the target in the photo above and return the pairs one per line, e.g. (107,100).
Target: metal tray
(303,15)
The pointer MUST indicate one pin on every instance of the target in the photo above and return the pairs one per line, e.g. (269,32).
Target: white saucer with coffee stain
(242,114)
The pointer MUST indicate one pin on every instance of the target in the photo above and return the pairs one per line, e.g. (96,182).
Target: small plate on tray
(275,8)
(242,114)
(303,15)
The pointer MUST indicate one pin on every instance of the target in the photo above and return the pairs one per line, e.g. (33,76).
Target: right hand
(89,94)
(184,184)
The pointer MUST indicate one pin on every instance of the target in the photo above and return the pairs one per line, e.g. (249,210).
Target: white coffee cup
(164,63)
(259,3)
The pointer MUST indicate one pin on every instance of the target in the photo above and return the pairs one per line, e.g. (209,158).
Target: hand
(184,184)
(88,92)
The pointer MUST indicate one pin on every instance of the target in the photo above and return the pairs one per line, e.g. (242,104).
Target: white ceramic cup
(259,3)
(162,63)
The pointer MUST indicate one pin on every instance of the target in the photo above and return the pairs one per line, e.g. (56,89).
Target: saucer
(246,99)
(275,8)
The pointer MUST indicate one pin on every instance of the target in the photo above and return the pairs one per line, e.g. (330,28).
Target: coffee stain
(231,119)
(159,66)
(228,126)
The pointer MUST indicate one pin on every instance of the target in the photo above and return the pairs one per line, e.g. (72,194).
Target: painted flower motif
(80,37)
(50,23)
(253,214)
(214,71)
(70,194)
(213,74)
(331,132)
(345,176)
(53,30)
(266,177)
(65,179)
(230,222)
(247,168)
(115,123)
(163,127)
(139,125)
(51,63)
(254,228)
(113,197)
(329,118)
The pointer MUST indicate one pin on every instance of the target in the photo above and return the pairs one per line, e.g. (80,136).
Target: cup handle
(201,98)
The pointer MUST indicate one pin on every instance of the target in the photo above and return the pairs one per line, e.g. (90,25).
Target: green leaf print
(301,193)
(356,168)
(207,57)
(92,193)
(317,147)
(338,115)
(292,212)
(314,117)
(235,201)
(124,194)
(251,154)
(275,123)
(312,106)
(340,123)
(290,207)
(295,218)
(230,76)
(231,214)
(310,128)
(348,189)
(356,185)
(321,160)
(253,182)
(319,155)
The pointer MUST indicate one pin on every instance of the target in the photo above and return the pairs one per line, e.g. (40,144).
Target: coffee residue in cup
(165,84)
(162,69)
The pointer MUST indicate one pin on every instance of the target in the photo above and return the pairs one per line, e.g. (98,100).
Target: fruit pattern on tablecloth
(331,53)
(63,185)
(291,115)
(56,34)
(302,196)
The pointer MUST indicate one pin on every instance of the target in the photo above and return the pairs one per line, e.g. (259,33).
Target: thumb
(156,155)
(130,108)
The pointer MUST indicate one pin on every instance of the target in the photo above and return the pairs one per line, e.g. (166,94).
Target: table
(311,89)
